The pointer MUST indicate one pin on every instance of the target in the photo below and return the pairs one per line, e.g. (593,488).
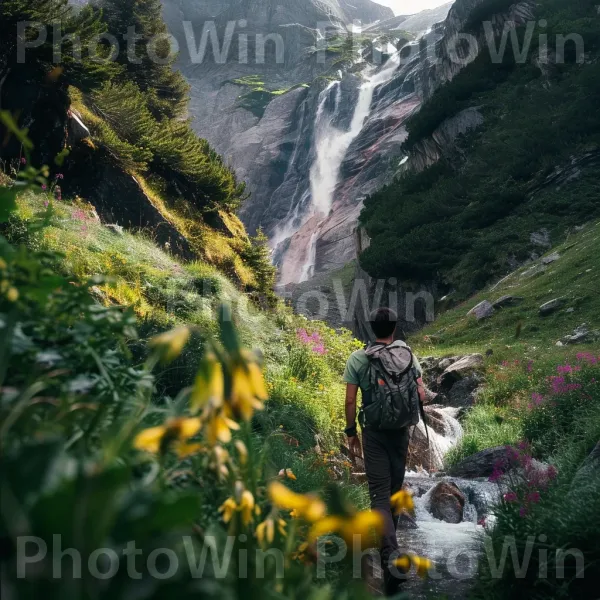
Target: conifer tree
(146,53)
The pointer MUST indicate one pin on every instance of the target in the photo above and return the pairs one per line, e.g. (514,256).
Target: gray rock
(506,301)
(480,464)
(447,502)
(115,228)
(460,369)
(484,310)
(580,335)
(464,392)
(551,306)
(547,260)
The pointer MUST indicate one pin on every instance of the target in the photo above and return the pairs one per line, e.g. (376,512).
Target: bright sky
(408,7)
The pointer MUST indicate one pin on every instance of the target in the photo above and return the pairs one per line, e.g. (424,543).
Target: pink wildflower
(523,511)
(44,187)
(510,497)
(23,161)
(533,497)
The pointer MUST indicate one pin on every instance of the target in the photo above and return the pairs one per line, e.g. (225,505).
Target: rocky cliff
(310,147)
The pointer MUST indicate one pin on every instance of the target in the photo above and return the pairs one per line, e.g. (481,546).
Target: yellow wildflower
(422,565)
(246,507)
(185,450)
(12,295)
(209,385)
(402,501)
(306,506)
(219,426)
(171,343)
(287,474)
(265,531)
(403,563)
(219,460)
(3,264)
(228,509)
(242,451)
(248,390)
(364,524)
(157,439)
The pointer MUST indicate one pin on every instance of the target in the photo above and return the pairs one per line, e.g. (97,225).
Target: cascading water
(331,147)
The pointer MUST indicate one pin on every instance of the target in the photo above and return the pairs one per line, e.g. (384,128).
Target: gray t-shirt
(357,370)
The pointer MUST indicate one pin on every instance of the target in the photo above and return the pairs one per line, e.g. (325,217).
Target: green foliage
(257,256)
(566,517)
(85,24)
(463,224)
(149,61)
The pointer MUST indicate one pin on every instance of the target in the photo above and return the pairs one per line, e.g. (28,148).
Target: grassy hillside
(543,400)
(463,222)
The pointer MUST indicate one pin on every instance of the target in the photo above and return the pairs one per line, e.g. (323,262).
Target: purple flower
(533,497)
(523,511)
(44,187)
(60,176)
(552,472)
(23,161)
(537,399)
(530,366)
(510,497)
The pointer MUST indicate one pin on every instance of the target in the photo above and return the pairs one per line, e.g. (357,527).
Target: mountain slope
(510,189)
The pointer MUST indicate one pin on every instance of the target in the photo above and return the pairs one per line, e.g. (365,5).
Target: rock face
(447,502)
(480,464)
(272,139)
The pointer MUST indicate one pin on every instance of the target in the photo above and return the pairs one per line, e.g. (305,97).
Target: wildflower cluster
(526,478)
(314,340)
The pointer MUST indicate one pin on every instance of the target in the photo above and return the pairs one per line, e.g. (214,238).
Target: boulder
(506,301)
(547,260)
(447,502)
(581,335)
(463,392)
(480,464)
(77,129)
(484,310)
(551,306)
(467,365)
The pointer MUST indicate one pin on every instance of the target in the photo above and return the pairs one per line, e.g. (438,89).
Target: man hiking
(390,379)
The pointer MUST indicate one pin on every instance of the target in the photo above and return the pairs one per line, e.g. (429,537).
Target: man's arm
(353,439)
(421,389)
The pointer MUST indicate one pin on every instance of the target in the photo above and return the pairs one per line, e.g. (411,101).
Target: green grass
(306,389)
(522,343)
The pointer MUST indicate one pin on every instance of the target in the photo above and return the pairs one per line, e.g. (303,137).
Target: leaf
(229,335)
(61,156)
(21,134)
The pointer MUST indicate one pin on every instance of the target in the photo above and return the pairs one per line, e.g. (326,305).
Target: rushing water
(331,147)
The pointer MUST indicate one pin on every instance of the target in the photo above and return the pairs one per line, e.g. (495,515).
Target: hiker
(390,379)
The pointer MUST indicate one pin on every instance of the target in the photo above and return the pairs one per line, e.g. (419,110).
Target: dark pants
(385,462)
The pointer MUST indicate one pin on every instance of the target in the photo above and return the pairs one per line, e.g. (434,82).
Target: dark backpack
(394,401)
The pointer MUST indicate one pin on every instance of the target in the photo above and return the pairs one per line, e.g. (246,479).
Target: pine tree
(167,89)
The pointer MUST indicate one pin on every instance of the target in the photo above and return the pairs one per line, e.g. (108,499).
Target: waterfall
(331,147)
(332,144)
(308,270)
